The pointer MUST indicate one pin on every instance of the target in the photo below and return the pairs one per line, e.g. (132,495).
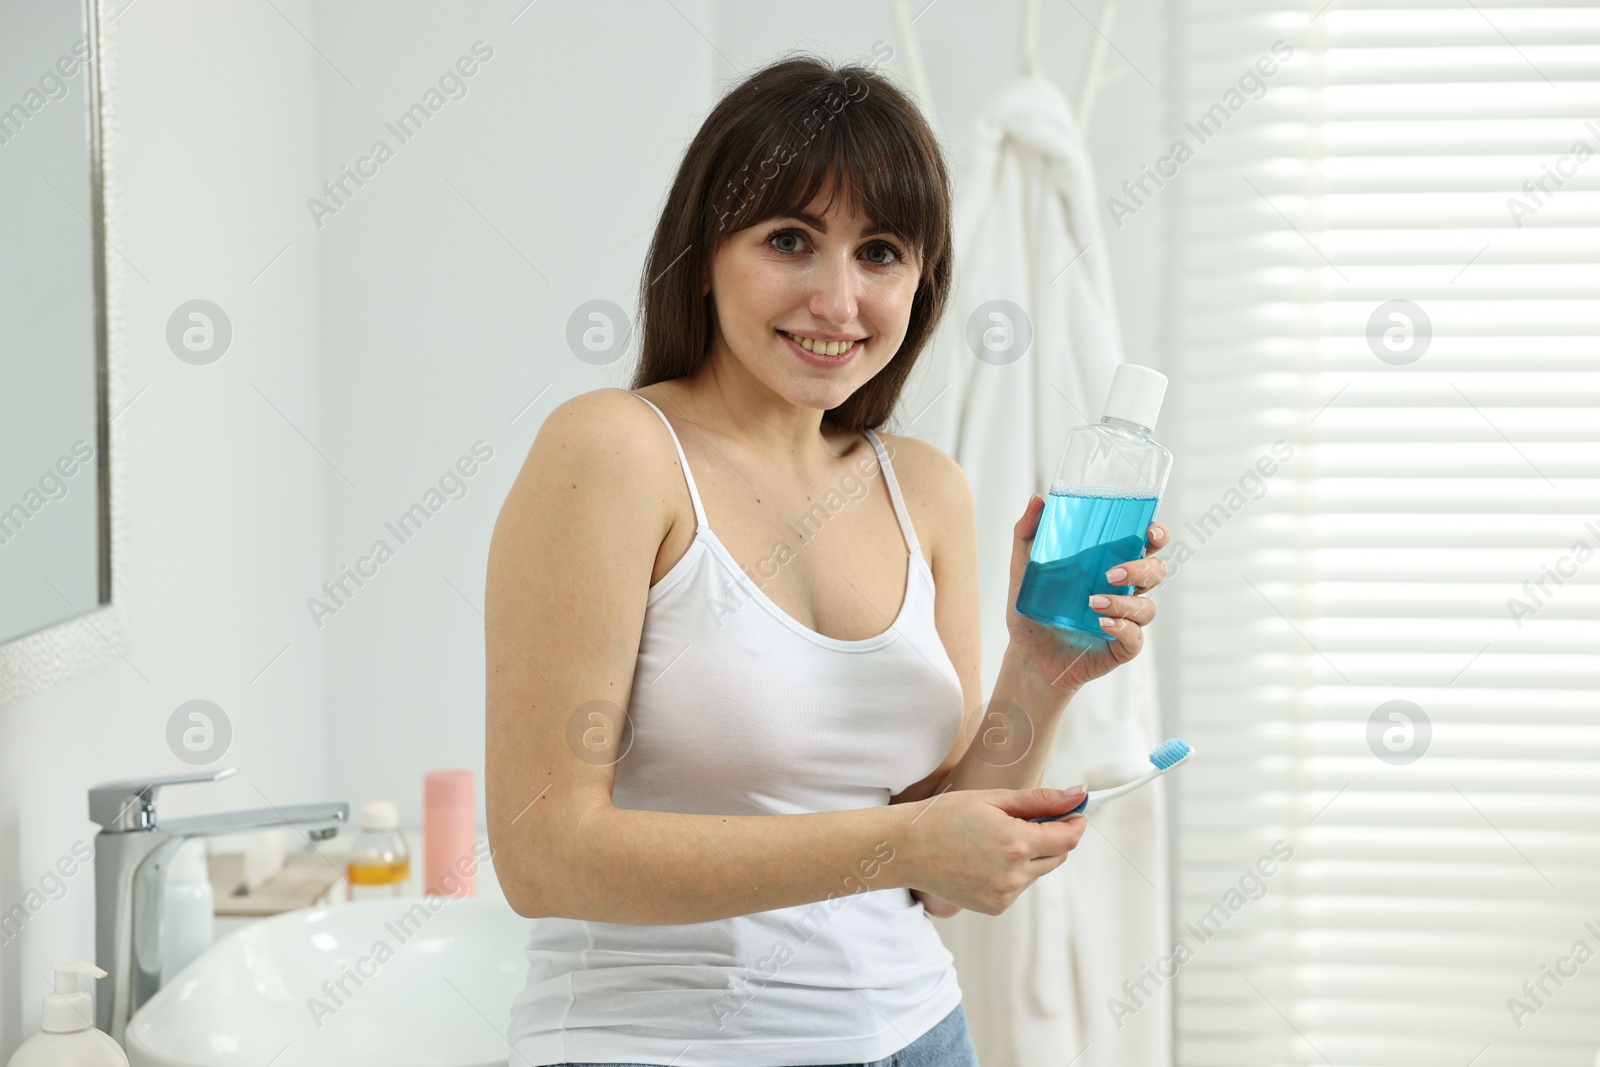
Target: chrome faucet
(131,852)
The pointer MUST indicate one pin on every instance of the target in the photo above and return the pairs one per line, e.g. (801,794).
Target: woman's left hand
(1067,660)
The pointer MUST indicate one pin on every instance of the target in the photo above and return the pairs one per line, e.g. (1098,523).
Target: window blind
(1385,603)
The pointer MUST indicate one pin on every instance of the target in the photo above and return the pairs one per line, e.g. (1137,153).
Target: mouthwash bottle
(1100,506)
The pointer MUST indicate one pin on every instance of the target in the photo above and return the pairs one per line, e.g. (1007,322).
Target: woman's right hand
(977,849)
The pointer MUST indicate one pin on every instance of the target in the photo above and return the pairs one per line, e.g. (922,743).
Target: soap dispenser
(67,1036)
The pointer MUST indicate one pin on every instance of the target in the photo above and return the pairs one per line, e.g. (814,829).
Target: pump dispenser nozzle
(67,1036)
(69,1008)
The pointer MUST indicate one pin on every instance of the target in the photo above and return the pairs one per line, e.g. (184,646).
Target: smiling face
(786,287)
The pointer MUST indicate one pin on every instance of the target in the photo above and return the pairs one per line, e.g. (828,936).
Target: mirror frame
(48,657)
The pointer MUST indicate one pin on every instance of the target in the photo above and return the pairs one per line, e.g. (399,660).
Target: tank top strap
(894,493)
(694,492)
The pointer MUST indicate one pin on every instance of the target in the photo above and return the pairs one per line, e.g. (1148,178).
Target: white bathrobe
(1039,980)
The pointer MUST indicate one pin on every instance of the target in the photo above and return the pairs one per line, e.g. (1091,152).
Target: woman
(738,871)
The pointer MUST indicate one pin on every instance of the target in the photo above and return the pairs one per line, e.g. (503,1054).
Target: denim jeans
(948,1044)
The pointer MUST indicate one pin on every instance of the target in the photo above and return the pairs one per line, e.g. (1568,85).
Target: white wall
(446,285)
(421,317)
(217,120)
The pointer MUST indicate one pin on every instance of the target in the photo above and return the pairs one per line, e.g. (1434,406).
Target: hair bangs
(852,156)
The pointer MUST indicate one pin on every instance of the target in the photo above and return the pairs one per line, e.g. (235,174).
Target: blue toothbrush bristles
(1169,753)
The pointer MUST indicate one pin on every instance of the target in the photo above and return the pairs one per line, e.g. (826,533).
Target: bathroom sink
(373,982)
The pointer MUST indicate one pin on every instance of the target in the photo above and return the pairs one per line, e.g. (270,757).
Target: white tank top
(738,709)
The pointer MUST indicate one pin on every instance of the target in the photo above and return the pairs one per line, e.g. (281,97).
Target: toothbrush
(1166,756)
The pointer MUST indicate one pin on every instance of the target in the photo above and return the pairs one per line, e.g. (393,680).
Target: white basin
(435,990)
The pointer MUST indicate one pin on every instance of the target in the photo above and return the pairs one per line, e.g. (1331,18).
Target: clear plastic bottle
(187,922)
(379,866)
(1104,496)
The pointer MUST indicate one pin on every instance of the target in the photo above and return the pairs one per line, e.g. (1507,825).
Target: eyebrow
(873,226)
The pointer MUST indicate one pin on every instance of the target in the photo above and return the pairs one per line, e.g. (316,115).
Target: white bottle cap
(190,863)
(380,815)
(1135,395)
(69,1009)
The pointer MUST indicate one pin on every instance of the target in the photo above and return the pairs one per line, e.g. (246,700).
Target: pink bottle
(449,833)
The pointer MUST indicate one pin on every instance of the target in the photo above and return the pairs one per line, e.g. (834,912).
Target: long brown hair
(765,151)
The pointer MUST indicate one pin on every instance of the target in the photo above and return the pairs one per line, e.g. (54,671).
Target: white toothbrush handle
(1100,796)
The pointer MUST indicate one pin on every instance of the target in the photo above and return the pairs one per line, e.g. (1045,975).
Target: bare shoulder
(603,444)
(926,470)
(935,488)
(604,430)
(604,415)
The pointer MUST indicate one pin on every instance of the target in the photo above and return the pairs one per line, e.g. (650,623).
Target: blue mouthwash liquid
(1084,532)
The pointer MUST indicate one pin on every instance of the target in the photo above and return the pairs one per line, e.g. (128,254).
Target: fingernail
(1117,575)
(1098,602)
(1106,624)
(1155,533)
(1075,791)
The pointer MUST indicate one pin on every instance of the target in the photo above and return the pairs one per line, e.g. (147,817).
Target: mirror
(55,558)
